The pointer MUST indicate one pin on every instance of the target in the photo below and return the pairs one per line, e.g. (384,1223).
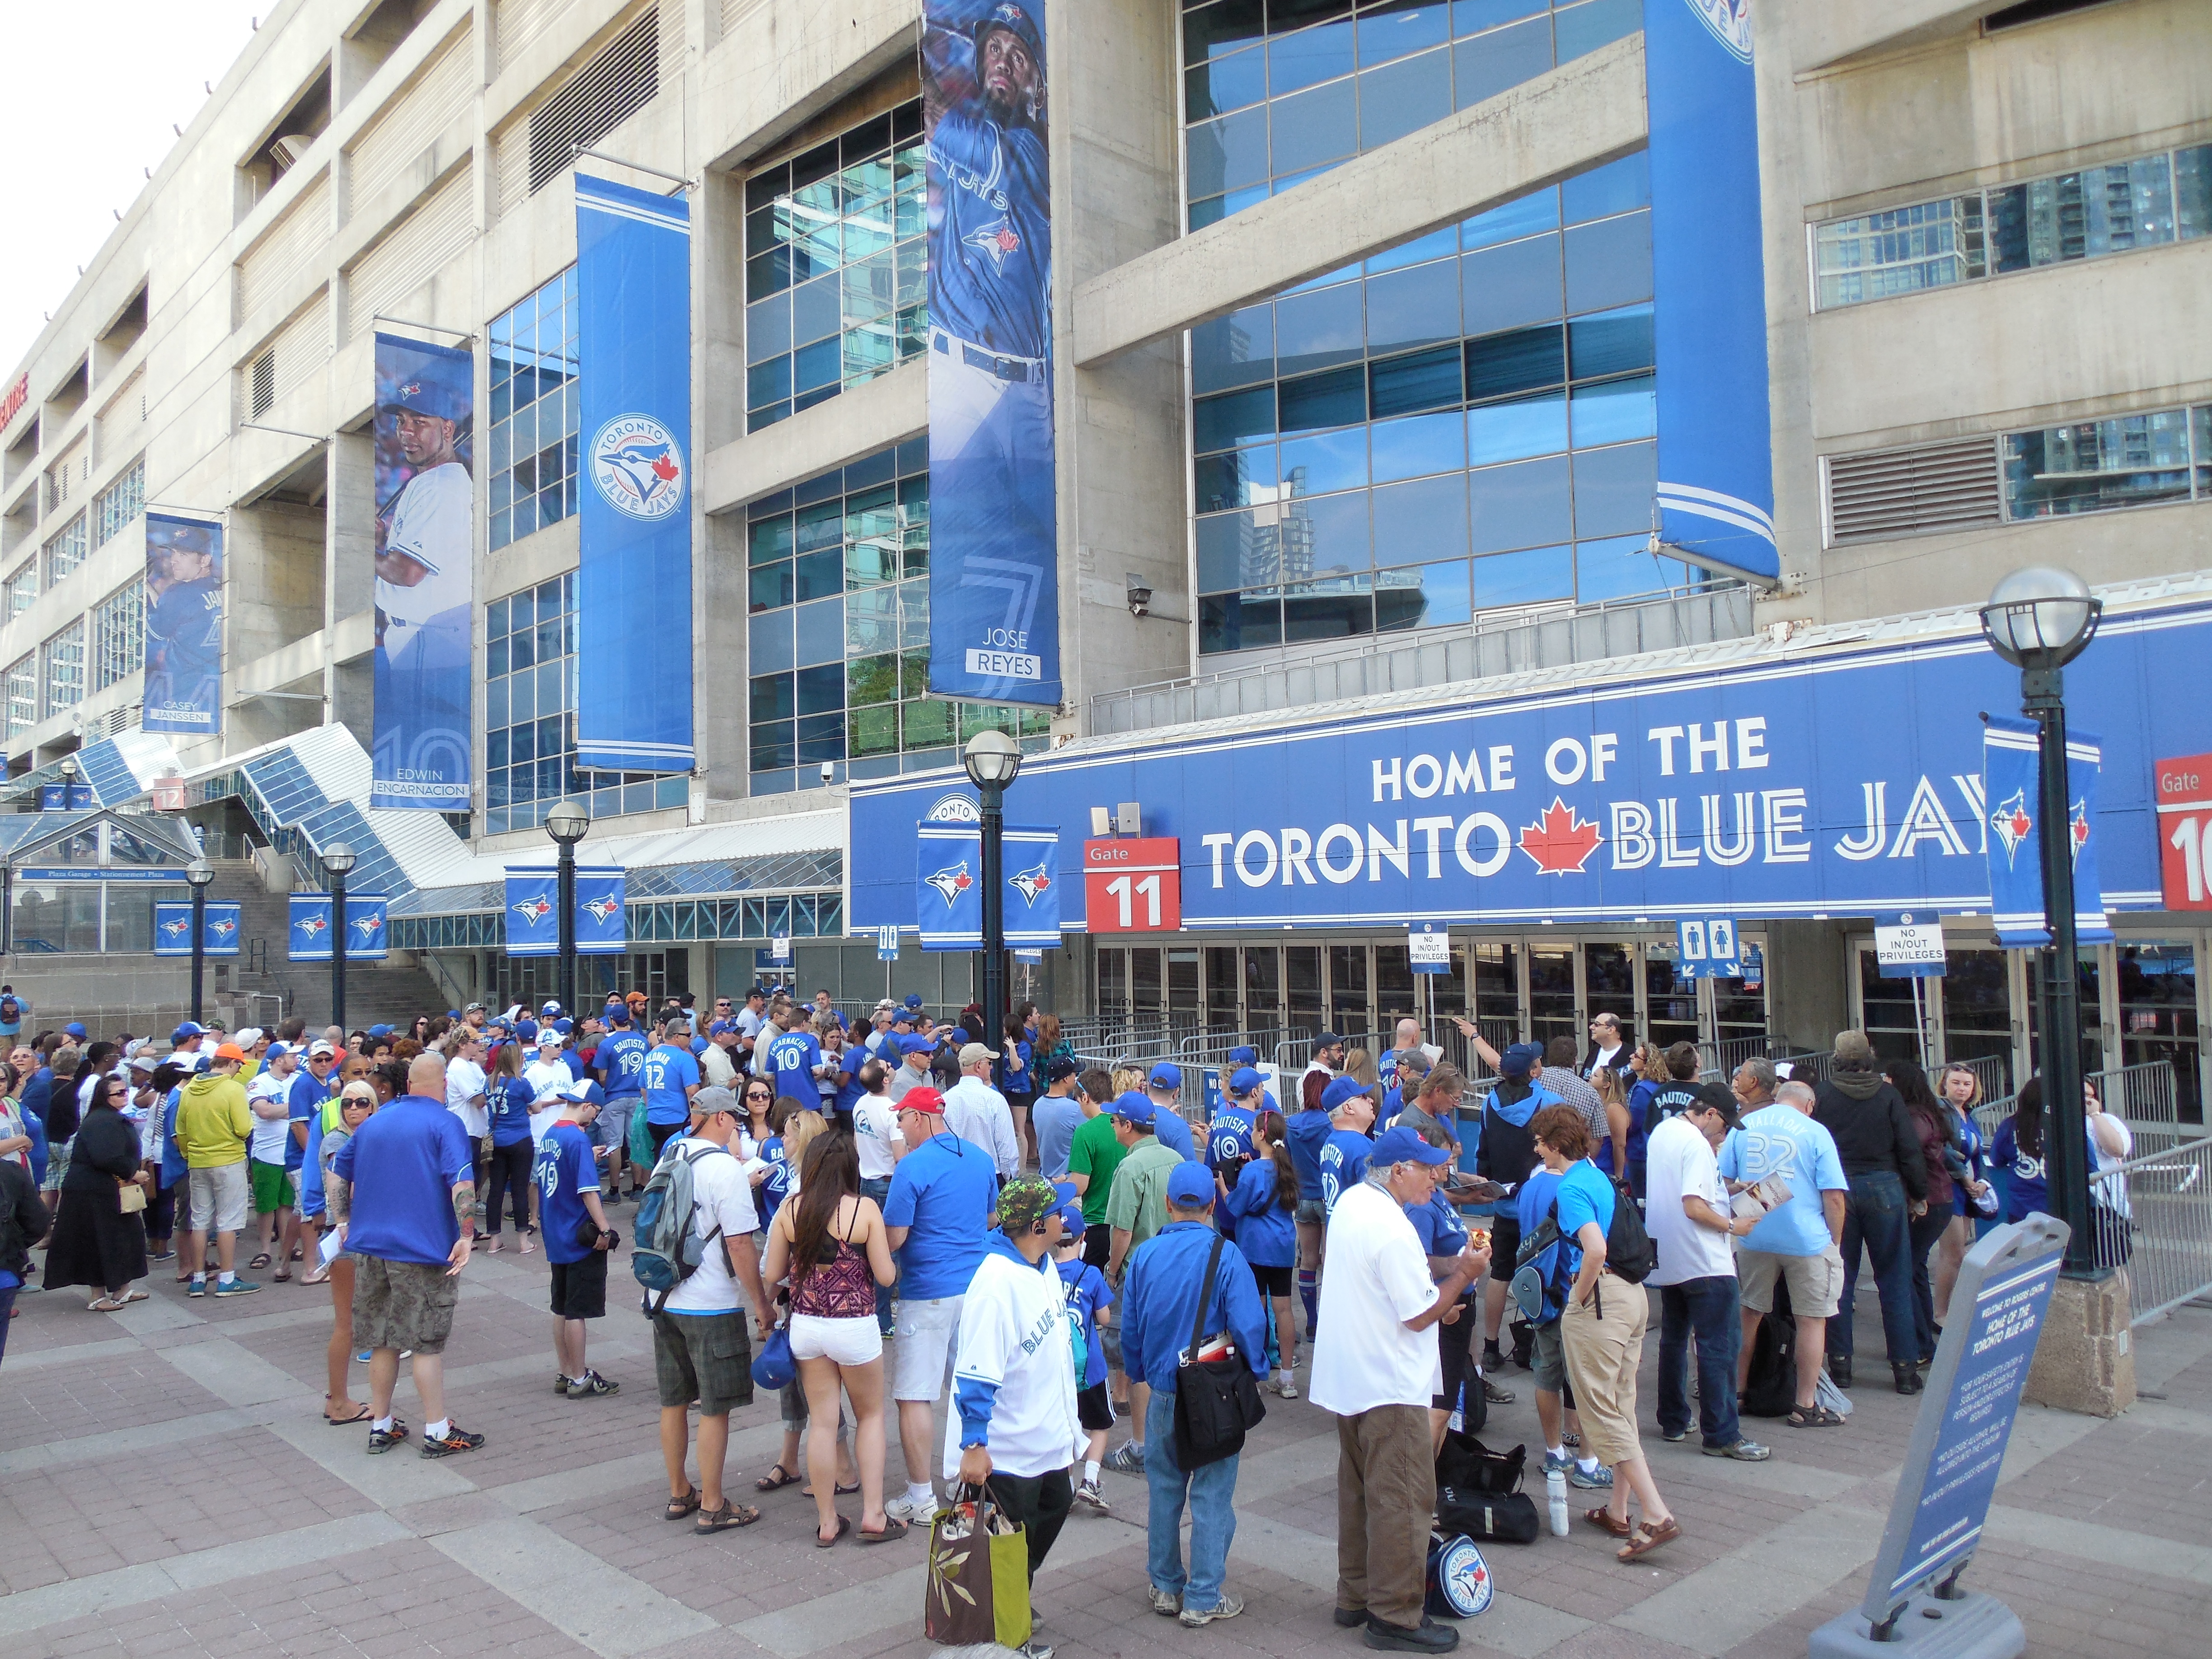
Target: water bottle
(1555,1488)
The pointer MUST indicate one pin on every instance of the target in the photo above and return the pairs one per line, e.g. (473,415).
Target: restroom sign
(1705,948)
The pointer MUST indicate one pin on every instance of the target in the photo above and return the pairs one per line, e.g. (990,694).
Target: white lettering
(1868,844)
(1250,839)
(1005,664)
(1751,743)
(1632,846)
(1501,767)
(1431,828)
(1664,736)
(1335,833)
(1413,776)
(1297,845)
(1215,844)
(1379,850)
(1387,780)
(1701,746)
(1926,820)
(1673,856)
(1729,854)
(1489,865)
(1783,814)
(1605,746)
(1578,762)
(1464,779)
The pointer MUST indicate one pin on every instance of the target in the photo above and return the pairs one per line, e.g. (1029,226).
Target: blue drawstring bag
(774,1367)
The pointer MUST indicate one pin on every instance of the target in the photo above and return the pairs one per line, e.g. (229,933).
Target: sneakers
(1227,1607)
(198,1287)
(593,1387)
(1839,1369)
(236,1287)
(914,1512)
(1496,1395)
(1560,1465)
(1429,1636)
(383,1440)
(1286,1384)
(1597,1480)
(1744,1451)
(1092,1498)
(455,1441)
(1674,1436)
(561,1383)
(363,1357)
(1127,1458)
(1167,1603)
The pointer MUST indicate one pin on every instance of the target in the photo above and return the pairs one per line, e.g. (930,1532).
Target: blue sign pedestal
(1975,1626)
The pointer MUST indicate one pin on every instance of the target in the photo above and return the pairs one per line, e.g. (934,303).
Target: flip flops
(260,1261)
(893,1527)
(364,1415)
(775,1479)
(844,1526)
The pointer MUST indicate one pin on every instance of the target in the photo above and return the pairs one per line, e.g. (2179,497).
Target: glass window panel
(925,724)
(819,575)
(871,732)
(1325,461)
(1506,287)
(1620,186)
(1519,428)
(1404,96)
(1611,342)
(772,697)
(1414,445)
(1594,23)
(1237,478)
(1234,417)
(1422,596)
(1235,549)
(769,587)
(769,540)
(773,746)
(1310,128)
(1223,620)
(1413,307)
(1423,521)
(1315,330)
(821,738)
(1617,567)
(821,635)
(2200,420)
(1225,84)
(1436,245)
(1532,577)
(1336,398)
(1616,411)
(1473,16)
(1218,29)
(2096,465)
(1229,152)
(1525,215)
(522,742)
(1521,360)
(768,328)
(2192,192)
(1614,490)
(1397,27)
(1233,350)
(1609,263)
(870,680)
(1328,614)
(770,641)
(1926,244)
(1425,379)
(1310,55)
(1499,61)
(1326,533)
(1522,505)
(522,696)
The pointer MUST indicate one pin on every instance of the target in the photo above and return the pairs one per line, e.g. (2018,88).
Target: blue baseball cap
(1403,1145)
(618,1015)
(903,1015)
(1337,1092)
(1134,1108)
(76,1029)
(720,1026)
(1072,1222)
(1246,1080)
(1247,1056)
(187,1032)
(1167,1075)
(914,1045)
(564,1026)
(527,1029)
(1190,1184)
(423,395)
(1520,1060)
(698,1045)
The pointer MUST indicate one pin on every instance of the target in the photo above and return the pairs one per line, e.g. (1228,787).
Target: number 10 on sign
(1133,887)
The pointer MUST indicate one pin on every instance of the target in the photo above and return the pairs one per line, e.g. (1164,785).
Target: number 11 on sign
(1130,892)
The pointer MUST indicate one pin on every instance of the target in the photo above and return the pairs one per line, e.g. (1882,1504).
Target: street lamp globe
(2041,618)
(199,872)
(992,758)
(69,766)
(568,823)
(337,858)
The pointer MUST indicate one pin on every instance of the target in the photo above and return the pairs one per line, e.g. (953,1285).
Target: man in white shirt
(719,1065)
(1609,1049)
(1375,1367)
(751,1018)
(701,1348)
(425,576)
(1694,1230)
(548,1078)
(269,1097)
(979,1114)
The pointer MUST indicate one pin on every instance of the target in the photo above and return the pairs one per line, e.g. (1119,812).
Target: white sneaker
(915,1512)
(1286,1385)
(1092,1498)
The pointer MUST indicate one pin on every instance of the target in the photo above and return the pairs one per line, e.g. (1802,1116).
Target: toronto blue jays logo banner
(600,929)
(184,625)
(173,929)
(533,926)
(1709,285)
(425,574)
(2012,784)
(948,885)
(993,564)
(634,576)
(1030,908)
(311,927)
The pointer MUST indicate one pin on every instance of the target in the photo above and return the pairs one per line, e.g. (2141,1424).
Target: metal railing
(2143,1096)
(2165,1199)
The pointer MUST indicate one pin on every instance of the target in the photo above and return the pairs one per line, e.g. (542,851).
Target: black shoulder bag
(1217,1401)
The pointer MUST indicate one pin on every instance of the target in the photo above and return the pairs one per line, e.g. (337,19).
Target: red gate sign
(1133,886)
(2184,832)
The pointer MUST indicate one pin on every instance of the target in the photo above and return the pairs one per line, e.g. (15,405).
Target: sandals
(134,1294)
(1601,1518)
(491,1246)
(364,1415)
(283,1276)
(260,1261)
(527,1246)
(1814,1417)
(893,1527)
(844,1526)
(103,1304)
(1647,1538)
(775,1479)
(320,1276)
(679,1507)
(730,1515)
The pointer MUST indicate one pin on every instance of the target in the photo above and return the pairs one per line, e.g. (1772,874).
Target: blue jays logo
(638,467)
(313,926)
(955,809)
(2012,824)
(222,927)
(1000,241)
(600,908)
(2077,830)
(533,910)
(176,927)
(1730,21)
(952,882)
(1462,1579)
(368,925)
(1031,882)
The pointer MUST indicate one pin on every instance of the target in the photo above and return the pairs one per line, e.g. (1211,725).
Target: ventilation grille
(1907,492)
(261,386)
(415,118)
(129,404)
(735,12)
(301,347)
(413,253)
(617,83)
(516,23)
(271,263)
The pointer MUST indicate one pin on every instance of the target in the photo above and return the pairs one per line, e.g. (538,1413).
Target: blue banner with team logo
(183,624)
(533,924)
(365,932)
(425,574)
(993,560)
(948,885)
(2012,774)
(600,929)
(1031,908)
(634,575)
(1709,286)
(173,929)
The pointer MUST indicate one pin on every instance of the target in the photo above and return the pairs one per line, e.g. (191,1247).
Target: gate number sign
(1132,885)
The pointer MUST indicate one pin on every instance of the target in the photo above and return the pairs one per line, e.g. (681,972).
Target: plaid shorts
(708,1357)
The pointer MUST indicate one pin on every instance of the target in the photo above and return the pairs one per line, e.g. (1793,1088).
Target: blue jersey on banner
(633,326)
(183,624)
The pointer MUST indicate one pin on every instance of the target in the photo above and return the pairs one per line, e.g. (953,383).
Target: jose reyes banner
(184,625)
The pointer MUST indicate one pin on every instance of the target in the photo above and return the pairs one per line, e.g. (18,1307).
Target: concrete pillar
(1811,1001)
(2085,1359)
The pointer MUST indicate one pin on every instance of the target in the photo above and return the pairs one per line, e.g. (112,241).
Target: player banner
(425,574)
(533,927)
(993,564)
(173,928)
(184,625)
(2012,784)
(311,927)
(634,575)
(1709,285)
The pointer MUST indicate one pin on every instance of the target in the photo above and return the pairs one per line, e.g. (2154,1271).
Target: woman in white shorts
(831,1242)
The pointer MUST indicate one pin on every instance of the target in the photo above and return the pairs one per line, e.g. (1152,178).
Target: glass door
(1494,967)
(1395,995)
(1144,979)
(1263,987)
(1552,1010)
(1348,982)
(2089,980)
(1302,985)
(1670,999)
(1609,983)
(2158,1015)
(1223,982)
(1977,1022)
(1182,986)
(1886,1012)
(1113,980)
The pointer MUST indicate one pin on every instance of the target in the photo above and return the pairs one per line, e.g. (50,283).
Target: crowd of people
(996,1229)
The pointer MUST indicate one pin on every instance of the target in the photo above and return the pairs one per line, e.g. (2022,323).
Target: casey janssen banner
(1709,285)
(365,930)
(533,926)
(994,563)
(634,573)
(183,624)
(425,574)
(2012,786)
(173,929)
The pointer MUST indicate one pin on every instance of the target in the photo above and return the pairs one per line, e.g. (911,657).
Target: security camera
(1141,595)
(828,772)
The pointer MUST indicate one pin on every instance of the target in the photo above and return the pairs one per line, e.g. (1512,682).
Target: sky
(91,88)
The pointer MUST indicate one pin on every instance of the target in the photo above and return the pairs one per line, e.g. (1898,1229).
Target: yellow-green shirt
(213,1121)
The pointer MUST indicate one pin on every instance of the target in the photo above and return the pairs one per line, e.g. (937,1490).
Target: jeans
(1039,1503)
(1709,1310)
(878,1188)
(509,1167)
(1923,1234)
(1874,1217)
(1211,1493)
(7,1314)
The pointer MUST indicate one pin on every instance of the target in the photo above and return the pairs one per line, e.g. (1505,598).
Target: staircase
(376,992)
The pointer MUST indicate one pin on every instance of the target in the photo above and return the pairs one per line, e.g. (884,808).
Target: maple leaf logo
(2078,829)
(664,469)
(2012,823)
(1560,842)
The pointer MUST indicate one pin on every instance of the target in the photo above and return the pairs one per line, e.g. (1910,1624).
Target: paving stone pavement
(167,1487)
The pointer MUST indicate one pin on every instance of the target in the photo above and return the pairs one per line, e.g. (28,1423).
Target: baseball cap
(914,1045)
(1071,1220)
(187,1032)
(1190,1184)
(884,1004)
(1061,1067)
(143,1063)
(715,1098)
(1026,1200)
(423,395)
(1519,1059)
(1246,1080)
(473,1008)
(1134,1108)
(564,1026)
(551,1006)
(1402,1146)
(618,1016)
(278,1050)
(199,1061)
(1719,1099)
(76,1029)
(914,1000)
(230,1051)
(1244,1056)
(922,1100)
(904,1017)
(1325,1039)
(320,1046)
(970,1053)
(248,1037)
(722,1028)
(1337,1093)
(379,1031)
(1167,1075)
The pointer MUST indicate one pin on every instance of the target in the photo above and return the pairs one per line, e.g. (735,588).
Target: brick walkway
(166,1487)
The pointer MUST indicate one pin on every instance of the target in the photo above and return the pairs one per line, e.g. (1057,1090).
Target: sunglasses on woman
(758,1094)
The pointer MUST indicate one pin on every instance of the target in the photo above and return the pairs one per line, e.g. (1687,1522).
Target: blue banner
(1709,286)
(425,574)
(183,624)
(994,558)
(65,797)
(366,935)
(1841,781)
(634,576)
(948,885)
(2012,786)
(533,926)
(601,929)
(533,923)
(1030,909)
(173,929)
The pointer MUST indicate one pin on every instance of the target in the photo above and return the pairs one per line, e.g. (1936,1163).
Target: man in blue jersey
(1165,1088)
(185,621)
(1343,1154)
(618,1060)
(789,1058)
(667,1081)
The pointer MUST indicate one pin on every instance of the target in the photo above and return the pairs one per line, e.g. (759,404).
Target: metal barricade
(2167,1199)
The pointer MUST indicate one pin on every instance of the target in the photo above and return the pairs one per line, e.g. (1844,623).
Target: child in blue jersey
(1088,1296)
(1229,1138)
(1262,1202)
(787,1061)
(1343,1154)
(566,1173)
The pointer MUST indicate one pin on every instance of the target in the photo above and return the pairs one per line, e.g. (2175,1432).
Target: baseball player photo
(184,625)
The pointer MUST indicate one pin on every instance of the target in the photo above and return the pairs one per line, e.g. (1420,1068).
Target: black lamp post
(337,859)
(993,758)
(199,872)
(2039,620)
(567,824)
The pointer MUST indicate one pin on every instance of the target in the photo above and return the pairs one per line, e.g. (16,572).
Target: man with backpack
(694,1246)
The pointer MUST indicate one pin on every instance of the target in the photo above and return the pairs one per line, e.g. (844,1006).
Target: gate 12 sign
(1133,886)
(2184,832)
